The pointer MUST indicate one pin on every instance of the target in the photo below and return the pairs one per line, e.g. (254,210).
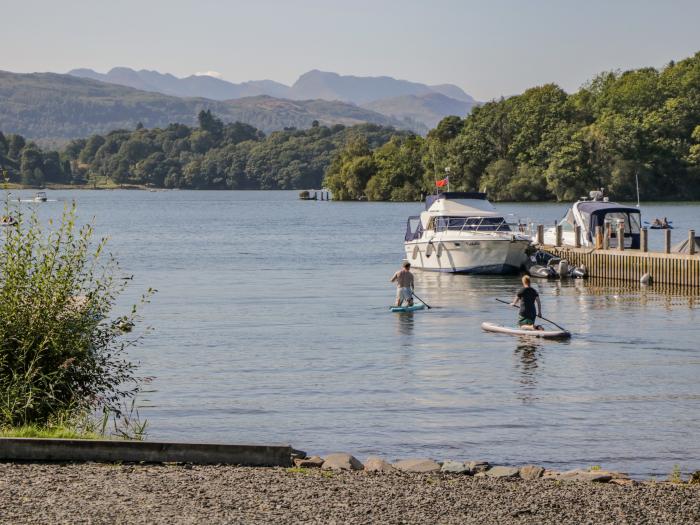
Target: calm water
(271,325)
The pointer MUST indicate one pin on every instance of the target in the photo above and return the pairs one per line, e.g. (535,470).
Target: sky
(490,48)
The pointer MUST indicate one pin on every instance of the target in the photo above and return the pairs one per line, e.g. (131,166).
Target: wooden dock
(677,269)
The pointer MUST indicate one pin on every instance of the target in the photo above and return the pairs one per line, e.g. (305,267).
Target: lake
(271,325)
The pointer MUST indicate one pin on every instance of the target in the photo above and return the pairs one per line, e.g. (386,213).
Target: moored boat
(598,211)
(461,232)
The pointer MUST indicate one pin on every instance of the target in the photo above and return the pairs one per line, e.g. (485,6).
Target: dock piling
(606,237)
(558,239)
(667,241)
(577,236)
(540,234)
(691,242)
(598,238)
(644,240)
(621,237)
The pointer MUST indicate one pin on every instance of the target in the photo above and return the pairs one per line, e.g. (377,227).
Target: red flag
(442,183)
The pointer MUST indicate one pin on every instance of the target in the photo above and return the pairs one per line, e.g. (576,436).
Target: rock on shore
(172,494)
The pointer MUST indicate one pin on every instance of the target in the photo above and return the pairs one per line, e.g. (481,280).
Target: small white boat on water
(461,232)
(40,196)
(598,211)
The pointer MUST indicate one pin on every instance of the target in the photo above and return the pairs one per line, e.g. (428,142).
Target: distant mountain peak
(312,85)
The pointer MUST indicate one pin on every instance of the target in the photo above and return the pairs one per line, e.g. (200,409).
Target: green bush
(62,357)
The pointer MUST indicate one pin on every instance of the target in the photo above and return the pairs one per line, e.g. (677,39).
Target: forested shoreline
(541,145)
(213,155)
(548,145)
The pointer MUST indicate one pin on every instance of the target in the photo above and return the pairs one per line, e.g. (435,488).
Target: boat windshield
(567,223)
(470,224)
(631,221)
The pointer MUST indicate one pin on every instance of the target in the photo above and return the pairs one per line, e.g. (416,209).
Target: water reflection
(405,323)
(528,352)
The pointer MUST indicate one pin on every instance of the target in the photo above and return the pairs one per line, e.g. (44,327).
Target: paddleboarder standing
(404,285)
(528,297)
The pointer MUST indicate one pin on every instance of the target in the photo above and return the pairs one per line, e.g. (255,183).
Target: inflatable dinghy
(546,334)
(407,308)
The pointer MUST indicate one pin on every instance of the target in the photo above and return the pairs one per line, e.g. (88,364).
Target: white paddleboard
(407,308)
(546,334)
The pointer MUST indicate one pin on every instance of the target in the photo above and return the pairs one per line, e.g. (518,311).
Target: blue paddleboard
(407,308)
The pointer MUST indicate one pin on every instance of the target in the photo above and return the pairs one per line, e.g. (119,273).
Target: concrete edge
(111,451)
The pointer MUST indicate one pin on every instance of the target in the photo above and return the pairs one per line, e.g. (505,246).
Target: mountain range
(419,105)
(54,108)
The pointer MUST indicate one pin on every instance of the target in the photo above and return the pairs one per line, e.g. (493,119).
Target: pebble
(376,464)
(478,466)
(598,476)
(420,465)
(163,495)
(503,472)
(341,461)
(531,472)
(312,462)
(455,467)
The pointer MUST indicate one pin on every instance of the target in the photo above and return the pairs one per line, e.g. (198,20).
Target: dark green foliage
(215,156)
(545,144)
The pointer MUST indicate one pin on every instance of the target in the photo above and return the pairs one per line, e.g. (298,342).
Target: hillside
(313,85)
(429,108)
(55,108)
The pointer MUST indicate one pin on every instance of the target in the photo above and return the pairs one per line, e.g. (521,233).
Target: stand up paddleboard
(546,334)
(407,308)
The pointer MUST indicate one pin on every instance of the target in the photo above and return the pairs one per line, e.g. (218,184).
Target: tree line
(213,155)
(546,144)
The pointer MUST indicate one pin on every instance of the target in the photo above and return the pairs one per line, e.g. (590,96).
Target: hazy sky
(488,47)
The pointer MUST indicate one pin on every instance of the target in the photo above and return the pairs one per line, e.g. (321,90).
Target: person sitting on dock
(528,297)
(404,285)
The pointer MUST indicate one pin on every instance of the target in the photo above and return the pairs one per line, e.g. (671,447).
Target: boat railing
(472,225)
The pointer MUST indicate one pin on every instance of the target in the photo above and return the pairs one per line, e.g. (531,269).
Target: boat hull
(468,256)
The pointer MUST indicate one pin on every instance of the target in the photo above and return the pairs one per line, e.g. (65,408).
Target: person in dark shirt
(528,297)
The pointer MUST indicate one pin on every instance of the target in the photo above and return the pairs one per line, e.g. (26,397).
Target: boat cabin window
(414,228)
(469,224)
(632,222)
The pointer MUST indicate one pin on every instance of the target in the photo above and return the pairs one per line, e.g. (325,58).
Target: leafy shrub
(61,355)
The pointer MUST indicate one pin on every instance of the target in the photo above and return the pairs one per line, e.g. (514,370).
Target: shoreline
(108,493)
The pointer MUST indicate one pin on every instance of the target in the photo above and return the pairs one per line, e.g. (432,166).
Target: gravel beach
(101,493)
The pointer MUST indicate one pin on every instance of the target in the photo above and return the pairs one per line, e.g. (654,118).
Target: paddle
(543,318)
(421,300)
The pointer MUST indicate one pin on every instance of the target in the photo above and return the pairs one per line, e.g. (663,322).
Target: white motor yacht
(598,211)
(461,232)
(40,196)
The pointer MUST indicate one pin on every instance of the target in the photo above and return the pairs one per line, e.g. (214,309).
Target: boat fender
(429,249)
(563,268)
(415,252)
(439,249)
